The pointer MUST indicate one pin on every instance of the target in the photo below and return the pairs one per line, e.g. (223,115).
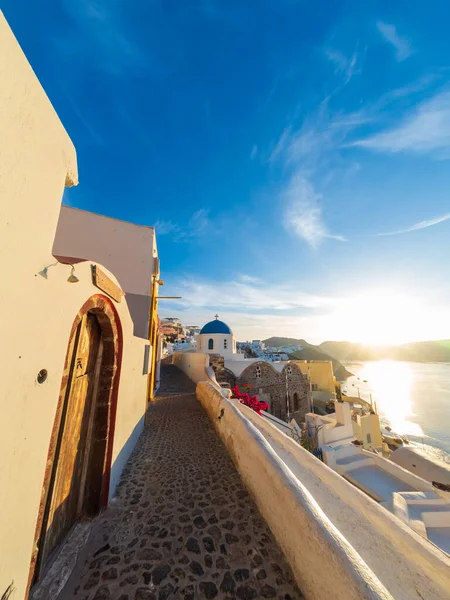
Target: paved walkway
(182,526)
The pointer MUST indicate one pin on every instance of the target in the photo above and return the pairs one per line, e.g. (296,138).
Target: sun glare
(382,318)
(392,383)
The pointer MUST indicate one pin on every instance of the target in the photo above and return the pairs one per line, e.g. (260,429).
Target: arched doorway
(76,482)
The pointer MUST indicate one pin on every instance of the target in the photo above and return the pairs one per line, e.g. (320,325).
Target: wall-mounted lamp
(72,277)
(160,282)
(44,272)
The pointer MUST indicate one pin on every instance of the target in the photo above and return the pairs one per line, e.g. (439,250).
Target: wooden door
(66,501)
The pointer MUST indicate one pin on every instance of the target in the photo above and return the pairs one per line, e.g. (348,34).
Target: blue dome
(216,326)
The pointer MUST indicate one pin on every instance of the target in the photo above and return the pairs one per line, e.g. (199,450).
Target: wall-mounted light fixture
(44,272)
(72,277)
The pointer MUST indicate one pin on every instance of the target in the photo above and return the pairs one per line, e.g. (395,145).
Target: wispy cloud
(420,225)
(402,45)
(281,144)
(98,31)
(310,154)
(166,227)
(260,311)
(254,152)
(343,65)
(426,129)
(196,226)
(303,213)
(82,115)
(255,296)
(249,278)
(415,87)
(318,139)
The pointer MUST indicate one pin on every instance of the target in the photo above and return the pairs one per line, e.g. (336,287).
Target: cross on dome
(217,316)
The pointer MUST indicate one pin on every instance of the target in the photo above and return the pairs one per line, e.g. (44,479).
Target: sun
(382,317)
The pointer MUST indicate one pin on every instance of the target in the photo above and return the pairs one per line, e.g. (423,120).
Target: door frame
(108,387)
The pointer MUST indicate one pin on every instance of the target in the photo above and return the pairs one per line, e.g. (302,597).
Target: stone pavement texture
(182,525)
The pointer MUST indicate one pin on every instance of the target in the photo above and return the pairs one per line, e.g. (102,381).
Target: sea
(411,398)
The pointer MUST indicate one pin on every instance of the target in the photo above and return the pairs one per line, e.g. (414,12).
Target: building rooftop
(216,326)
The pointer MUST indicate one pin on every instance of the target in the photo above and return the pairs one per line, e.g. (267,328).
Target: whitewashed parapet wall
(383,560)
(196,366)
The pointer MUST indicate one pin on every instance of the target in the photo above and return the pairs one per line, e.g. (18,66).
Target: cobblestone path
(182,525)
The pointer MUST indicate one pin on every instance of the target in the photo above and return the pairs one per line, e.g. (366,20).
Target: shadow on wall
(139,307)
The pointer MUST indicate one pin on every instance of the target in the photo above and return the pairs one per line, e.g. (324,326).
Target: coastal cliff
(308,352)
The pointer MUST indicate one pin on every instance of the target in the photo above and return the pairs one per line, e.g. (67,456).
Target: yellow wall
(369,430)
(320,373)
(37,159)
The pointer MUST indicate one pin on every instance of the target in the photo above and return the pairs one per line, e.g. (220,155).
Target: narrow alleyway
(182,525)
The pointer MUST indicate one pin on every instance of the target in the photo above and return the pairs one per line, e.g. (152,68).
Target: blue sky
(294,157)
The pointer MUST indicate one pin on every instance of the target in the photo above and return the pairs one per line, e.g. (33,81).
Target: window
(211,344)
(258,371)
(225,343)
(296,403)
(289,370)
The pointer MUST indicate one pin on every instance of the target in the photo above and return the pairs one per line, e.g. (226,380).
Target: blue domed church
(272,382)
(217,338)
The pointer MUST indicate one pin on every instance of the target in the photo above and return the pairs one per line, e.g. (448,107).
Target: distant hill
(436,351)
(279,342)
(309,352)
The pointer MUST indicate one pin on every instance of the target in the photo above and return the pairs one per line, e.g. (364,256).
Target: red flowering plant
(244,397)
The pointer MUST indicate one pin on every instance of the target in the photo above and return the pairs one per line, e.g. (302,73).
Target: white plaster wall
(328,430)
(323,562)
(126,249)
(422,465)
(218,340)
(37,159)
(332,453)
(410,479)
(406,564)
(196,366)
(40,342)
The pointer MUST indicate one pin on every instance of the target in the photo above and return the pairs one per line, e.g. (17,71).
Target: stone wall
(217,363)
(229,377)
(224,376)
(273,387)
